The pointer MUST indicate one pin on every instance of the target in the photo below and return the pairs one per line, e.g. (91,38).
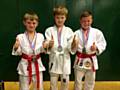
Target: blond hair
(31,15)
(60,10)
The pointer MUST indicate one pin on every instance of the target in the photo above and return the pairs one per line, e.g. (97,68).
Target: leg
(35,81)
(24,82)
(64,82)
(79,74)
(89,80)
(53,81)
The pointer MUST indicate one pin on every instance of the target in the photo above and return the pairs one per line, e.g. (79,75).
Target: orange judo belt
(30,58)
(82,55)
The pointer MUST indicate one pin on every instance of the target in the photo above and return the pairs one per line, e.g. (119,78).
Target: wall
(106,17)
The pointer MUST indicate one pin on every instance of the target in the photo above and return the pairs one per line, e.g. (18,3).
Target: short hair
(60,10)
(85,14)
(31,15)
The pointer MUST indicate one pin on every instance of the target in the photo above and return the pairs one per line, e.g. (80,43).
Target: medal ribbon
(31,43)
(59,37)
(85,38)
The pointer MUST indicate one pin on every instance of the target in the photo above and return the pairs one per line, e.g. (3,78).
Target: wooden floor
(100,85)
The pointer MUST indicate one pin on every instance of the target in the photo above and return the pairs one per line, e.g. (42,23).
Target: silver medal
(59,48)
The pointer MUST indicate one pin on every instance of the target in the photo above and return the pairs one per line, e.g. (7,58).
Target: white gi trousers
(24,82)
(54,80)
(89,81)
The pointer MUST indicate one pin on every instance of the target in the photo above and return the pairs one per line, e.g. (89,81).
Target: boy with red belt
(88,42)
(29,45)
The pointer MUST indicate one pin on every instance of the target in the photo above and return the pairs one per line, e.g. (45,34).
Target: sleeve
(101,43)
(75,49)
(48,36)
(70,39)
(42,40)
(18,51)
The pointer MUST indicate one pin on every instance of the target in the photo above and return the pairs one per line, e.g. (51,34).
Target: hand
(51,42)
(74,43)
(93,47)
(17,44)
(45,44)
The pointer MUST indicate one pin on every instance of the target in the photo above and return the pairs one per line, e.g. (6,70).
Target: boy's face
(86,22)
(60,20)
(30,25)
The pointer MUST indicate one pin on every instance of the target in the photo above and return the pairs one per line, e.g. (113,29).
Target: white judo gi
(23,64)
(59,62)
(89,63)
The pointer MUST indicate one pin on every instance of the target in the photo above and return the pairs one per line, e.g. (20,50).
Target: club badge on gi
(87,64)
(59,48)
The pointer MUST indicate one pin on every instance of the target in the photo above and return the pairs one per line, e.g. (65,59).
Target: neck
(59,28)
(30,32)
(31,35)
(85,30)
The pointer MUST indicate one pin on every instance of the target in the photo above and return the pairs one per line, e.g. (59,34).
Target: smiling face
(86,22)
(30,21)
(59,20)
(60,14)
(30,24)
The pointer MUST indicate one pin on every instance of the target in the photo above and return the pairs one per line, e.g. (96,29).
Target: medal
(32,46)
(59,48)
(85,40)
(34,58)
(84,50)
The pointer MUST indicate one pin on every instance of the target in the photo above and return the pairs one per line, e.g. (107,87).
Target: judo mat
(99,85)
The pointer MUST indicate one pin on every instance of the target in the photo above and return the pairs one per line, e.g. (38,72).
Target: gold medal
(34,58)
(84,50)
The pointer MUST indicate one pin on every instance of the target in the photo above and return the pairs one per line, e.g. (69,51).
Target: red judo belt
(82,55)
(29,59)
